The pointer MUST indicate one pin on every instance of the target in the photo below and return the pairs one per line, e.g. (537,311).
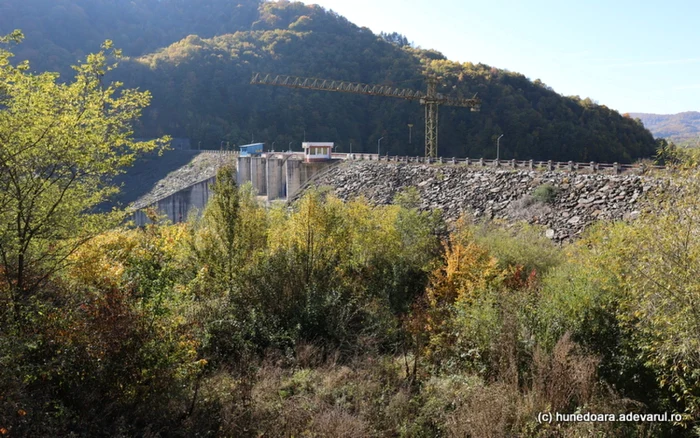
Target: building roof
(306,145)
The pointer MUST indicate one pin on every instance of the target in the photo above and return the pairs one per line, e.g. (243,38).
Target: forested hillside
(682,127)
(197,59)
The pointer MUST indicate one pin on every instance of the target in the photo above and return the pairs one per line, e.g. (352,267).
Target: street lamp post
(498,147)
(410,128)
(379,142)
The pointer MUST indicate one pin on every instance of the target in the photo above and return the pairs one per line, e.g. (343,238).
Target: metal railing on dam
(550,165)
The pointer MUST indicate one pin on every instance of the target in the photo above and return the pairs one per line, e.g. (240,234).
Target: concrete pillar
(593,167)
(243,173)
(292,170)
(481,162)
(512,164)
(571,166)
(276,182)
(497,163)
(617,168)
(454,160)
(258,175)
(550,165)
(468,161)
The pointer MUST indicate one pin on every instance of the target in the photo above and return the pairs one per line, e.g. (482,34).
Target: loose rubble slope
(505,194)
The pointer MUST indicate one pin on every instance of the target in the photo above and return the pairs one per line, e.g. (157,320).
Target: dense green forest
(197,57)
(327,319)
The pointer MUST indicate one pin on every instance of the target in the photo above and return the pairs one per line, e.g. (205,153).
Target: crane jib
(431,99)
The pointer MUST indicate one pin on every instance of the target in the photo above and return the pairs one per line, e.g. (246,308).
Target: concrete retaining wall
(179,205)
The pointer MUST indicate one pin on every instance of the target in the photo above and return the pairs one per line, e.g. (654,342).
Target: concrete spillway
(188,189)
(278,176)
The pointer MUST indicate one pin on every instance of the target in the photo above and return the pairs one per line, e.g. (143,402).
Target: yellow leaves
(468,269)
(101,261)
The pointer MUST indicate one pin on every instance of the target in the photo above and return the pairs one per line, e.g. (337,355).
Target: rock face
(572,201)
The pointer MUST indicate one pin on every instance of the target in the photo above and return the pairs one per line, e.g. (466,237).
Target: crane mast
(431,99)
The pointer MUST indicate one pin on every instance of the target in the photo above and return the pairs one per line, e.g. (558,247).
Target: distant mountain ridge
(680,127)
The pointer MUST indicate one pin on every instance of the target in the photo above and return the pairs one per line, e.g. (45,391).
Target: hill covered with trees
(681,128)
(197,59)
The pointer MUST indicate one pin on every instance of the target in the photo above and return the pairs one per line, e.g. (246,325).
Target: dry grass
(371,397)
(566,378)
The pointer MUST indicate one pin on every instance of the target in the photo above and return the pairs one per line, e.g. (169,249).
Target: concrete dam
(187,189)
(585,192)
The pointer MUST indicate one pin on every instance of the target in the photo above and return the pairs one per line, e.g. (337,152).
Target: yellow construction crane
(431,98)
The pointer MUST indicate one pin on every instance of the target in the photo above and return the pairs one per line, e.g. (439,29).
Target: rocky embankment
(564,203)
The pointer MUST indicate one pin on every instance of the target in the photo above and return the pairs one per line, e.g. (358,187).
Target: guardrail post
(571,166)
(454,160)
(550,165)
(531,164)
(468,162)
(497,163)
(481,162)
(617,168)
(512,164)
(593,167)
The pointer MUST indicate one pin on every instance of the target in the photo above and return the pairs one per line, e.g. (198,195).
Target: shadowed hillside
(197,59)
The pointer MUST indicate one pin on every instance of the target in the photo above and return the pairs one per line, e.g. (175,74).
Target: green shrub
(546,193)
(523,245)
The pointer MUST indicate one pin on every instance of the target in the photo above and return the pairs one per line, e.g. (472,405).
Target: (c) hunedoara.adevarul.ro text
(549,417)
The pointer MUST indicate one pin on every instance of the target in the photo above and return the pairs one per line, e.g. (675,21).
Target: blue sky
(633,56)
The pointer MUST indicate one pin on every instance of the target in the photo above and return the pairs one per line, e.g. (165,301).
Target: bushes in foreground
(345,319)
